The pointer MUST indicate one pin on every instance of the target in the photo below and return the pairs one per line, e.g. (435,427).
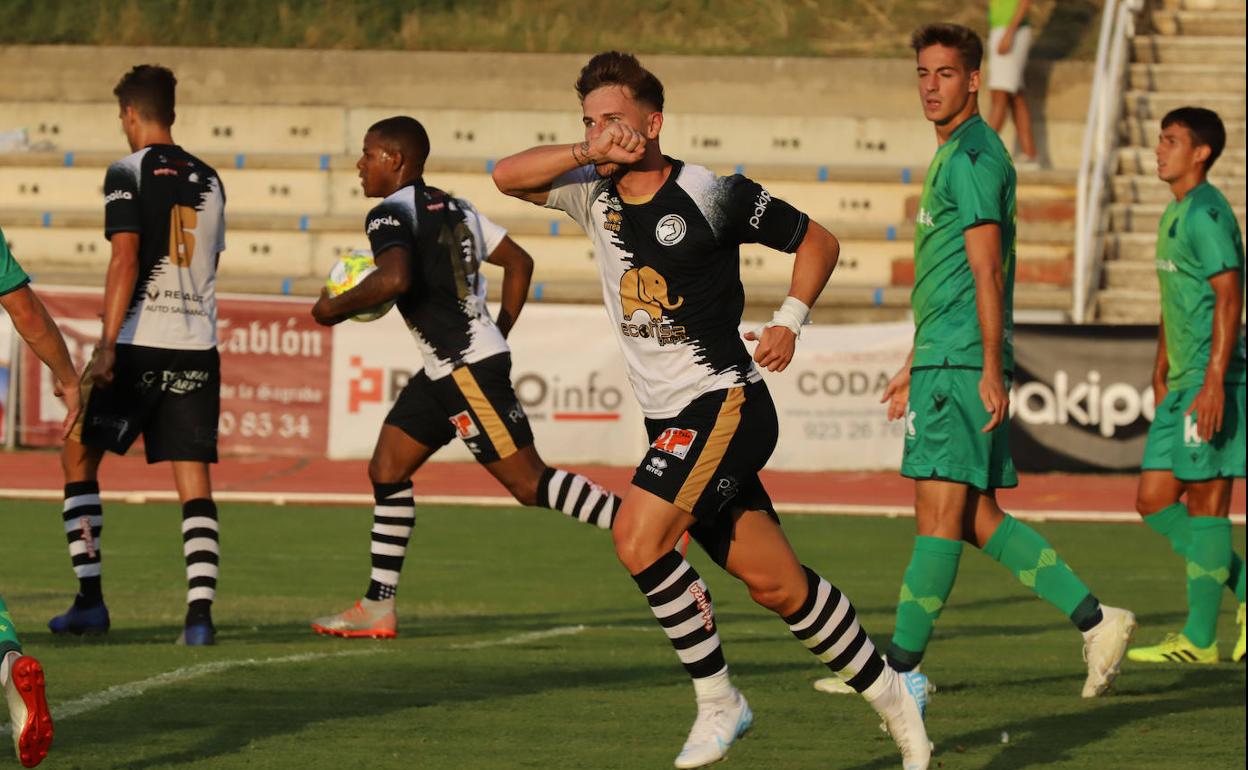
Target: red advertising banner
(275,373)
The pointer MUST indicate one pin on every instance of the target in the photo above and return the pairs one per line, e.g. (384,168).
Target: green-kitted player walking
(952,392)
(21,676)
(1196,444)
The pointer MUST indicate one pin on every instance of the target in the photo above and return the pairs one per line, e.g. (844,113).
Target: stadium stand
(804,128)
(1190,53)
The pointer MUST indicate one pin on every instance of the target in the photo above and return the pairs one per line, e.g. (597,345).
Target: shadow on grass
(254,706)
(1032,743)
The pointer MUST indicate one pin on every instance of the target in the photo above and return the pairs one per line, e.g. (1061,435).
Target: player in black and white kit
(429,247)
(155,371)
(666,236)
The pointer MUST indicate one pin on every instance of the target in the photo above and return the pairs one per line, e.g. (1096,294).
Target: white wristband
(791,314)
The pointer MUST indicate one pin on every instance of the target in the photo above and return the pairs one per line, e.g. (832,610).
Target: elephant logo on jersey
(670,230)
(642,288)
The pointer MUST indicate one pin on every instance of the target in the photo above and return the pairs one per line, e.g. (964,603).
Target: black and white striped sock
(394,513)
(84,521)
(682,604)
(201,547)
(828,625)
(578,497)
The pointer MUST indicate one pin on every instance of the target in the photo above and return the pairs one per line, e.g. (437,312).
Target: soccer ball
(347,273)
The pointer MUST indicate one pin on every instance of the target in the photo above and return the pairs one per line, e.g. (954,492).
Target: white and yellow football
(347,273)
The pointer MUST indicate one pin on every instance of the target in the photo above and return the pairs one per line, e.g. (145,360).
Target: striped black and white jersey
(447,240)
(671,277)
(176,203)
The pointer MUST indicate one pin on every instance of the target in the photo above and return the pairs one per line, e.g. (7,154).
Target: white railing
(1100,140)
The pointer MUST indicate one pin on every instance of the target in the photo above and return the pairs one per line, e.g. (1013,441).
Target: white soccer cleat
(29,718)
(718,725)
(1104,647)
(903,719)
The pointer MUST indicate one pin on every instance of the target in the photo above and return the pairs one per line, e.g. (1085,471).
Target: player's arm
(119,282)
(897,392)
(813,264)
(35,325)
(517,274)
(983,252)
(1228,305)
(529,175)
(1161,364)
(392,278)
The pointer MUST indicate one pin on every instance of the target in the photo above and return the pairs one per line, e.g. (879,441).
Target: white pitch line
(528,636)
(500,501)
(109,696)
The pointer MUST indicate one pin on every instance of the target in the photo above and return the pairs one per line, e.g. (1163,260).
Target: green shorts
(944,420)
(1173,444)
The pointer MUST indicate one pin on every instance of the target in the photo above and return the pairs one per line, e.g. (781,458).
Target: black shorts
(475,402)
(171,397)
(706,460)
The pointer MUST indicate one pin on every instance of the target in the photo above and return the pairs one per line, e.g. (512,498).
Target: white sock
(6,664)
(714,687)
(881,691)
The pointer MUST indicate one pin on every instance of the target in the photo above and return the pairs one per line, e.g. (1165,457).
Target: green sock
(1208,564)
(8,634)
(925,588)
(1023,551)
(1172,523)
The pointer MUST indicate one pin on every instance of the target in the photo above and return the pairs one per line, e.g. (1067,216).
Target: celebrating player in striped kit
(666,236)
(428,248)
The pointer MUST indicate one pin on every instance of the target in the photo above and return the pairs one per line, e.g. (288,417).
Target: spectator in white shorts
(1009,40)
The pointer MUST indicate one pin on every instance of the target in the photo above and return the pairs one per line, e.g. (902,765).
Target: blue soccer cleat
(84,616)
(198,635)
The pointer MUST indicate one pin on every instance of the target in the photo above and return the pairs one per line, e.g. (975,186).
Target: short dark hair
(956,36)
(149,89)
(1205,127)
(613,68)
(406,135)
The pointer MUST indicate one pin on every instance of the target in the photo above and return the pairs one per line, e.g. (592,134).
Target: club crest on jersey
(642,288)
(670,230)
(675,441)
(465,428)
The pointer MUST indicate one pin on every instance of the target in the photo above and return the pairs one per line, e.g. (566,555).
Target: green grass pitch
(448,694)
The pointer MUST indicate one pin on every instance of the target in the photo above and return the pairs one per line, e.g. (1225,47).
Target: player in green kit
(21,675)
(1196,444)
(952,391)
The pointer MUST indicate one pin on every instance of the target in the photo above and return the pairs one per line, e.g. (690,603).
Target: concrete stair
(1191,53)
(1169,49)
(1142,132)
(1184,77)
(1149,189)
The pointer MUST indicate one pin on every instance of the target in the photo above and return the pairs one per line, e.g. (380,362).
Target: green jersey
(11,274)
(1197,239)
(1001,13)
(970,182)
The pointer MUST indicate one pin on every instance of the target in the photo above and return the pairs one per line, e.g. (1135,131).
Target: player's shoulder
(197,163)
(1208,198)
(402,199)
(130,165)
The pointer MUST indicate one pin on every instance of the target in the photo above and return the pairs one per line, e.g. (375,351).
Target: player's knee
(1147,505)
(524,490)
(632,552)
(382,471)
(778,598)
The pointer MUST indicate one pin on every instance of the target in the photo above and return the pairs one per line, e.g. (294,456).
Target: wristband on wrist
(791,314)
